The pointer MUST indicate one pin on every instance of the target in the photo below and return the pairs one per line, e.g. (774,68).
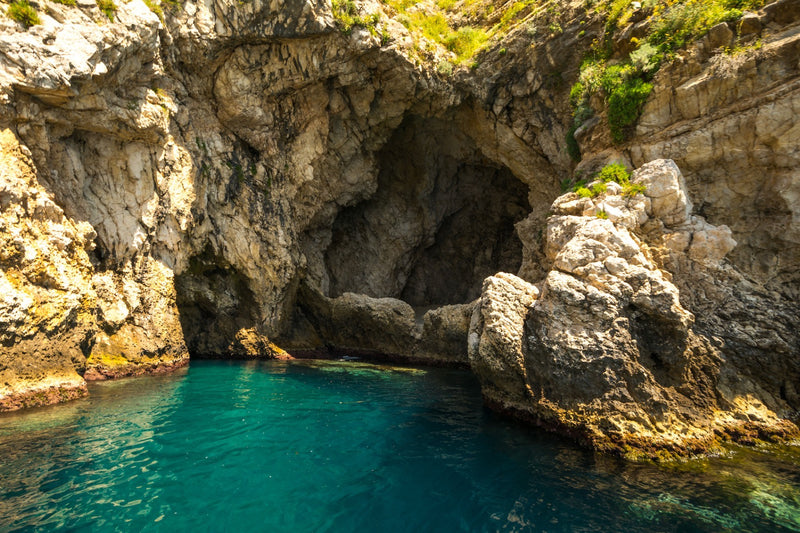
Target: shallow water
(313,446)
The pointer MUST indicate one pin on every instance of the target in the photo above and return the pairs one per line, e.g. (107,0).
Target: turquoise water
(312,446)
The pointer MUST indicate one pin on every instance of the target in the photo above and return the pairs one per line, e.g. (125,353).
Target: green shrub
(434,27)
(624,87)
(465,42)
(65,2)
(583,192)
(602,214)
(346,14)
(625,104)
(632,189)
(591,74)
(646,58)
(432,24)
(578,185)
(573,149)
(445,68)
(598,189)
(576,94)
(614,172)
(24,13)
(683,22)
(626,93)
(108,7)
(615,75)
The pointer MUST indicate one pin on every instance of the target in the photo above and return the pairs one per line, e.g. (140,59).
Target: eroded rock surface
(608,352)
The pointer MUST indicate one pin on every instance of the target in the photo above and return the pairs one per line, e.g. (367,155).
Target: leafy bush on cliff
(615,172)
(108,7)
(675,23)
(625,88)
(680,23)
(346,14)
(632,189)
(573,148)
(627,94)
(465,42)
(24,13)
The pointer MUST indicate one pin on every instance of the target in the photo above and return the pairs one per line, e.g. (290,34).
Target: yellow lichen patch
(107,352)
(106,359)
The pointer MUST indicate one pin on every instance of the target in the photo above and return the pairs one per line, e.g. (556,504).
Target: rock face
(59,314)
(45,284)
(225,178)
(726,120)
(607,351)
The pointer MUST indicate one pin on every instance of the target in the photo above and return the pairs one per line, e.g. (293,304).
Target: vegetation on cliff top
(617,84)
(613,172)
(623,84)
(108,7)
(462,27)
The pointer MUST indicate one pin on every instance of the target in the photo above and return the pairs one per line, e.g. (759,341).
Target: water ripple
(274,446)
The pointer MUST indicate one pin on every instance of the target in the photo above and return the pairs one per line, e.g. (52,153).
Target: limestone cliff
(605,349)
(223,178)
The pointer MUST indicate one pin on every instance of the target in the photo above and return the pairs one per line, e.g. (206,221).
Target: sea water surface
(326,446)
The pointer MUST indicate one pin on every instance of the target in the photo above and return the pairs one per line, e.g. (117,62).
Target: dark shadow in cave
(441,220)
(214,303)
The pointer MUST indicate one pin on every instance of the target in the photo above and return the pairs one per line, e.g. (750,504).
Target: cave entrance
(215,305)
(442,220)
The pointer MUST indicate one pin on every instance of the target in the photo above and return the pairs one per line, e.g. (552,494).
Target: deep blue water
(312,446)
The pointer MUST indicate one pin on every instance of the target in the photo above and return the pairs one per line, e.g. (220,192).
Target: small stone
(749,24)
(720,35)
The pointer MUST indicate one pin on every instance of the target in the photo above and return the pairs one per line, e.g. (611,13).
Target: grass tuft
(24,13)
(108,7)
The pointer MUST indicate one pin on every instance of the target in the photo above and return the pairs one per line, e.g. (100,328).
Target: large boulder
(495,342)
(607,352)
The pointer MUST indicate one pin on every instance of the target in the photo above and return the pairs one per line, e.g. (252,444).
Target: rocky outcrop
(60,315)
(607,352)
(45,284)
(723,112)
(496,335)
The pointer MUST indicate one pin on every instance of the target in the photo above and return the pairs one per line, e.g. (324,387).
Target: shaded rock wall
(441,220)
